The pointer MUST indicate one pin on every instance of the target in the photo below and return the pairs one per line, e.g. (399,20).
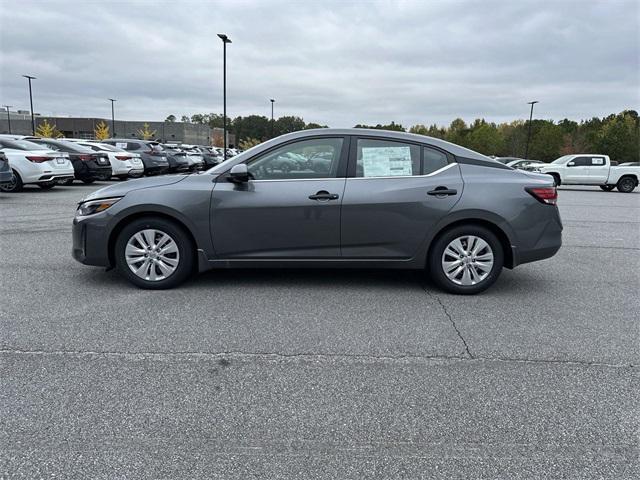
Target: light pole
(8,116)
(272,102)
(33,120)
(526,152)
(113,118)
(225,40)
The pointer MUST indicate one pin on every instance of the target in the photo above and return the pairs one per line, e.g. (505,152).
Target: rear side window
(433,160)
(597,161)
(385,158)
(129,146)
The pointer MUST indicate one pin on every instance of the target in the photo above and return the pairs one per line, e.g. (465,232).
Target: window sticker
(122,145)
(387,161)
(597,161)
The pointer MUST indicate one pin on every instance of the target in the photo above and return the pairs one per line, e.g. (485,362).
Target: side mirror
(239,173)
(571,164)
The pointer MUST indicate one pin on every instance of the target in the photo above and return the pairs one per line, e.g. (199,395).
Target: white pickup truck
(592,169)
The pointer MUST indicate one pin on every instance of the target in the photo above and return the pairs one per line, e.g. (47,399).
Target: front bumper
(90,241)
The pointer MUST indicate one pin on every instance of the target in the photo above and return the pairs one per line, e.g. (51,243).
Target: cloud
(338,63)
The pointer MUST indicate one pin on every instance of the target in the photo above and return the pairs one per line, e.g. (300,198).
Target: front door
(578,170)
(394,194)
(290,207)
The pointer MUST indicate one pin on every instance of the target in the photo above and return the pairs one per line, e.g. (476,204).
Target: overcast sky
(336,63)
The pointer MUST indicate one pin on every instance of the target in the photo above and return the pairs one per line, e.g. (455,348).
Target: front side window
(315,158)
(580,162)
(385,158)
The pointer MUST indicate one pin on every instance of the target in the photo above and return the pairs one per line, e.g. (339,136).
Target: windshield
(562,159)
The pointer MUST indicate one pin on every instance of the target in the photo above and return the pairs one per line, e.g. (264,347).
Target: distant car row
(47,162)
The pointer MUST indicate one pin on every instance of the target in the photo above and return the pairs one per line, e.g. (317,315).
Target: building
(75,127)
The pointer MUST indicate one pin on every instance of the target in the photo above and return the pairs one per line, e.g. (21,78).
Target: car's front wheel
(466,259)
(154,253)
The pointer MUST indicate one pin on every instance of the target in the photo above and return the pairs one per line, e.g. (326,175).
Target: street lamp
(526,152)
(8,116)
(272,102)
(113,118)
(225,40)
(33,120)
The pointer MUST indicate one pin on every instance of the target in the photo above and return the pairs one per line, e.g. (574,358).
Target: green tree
(619,138)
(185,119)
(171,118)
(547,142)
(486,138)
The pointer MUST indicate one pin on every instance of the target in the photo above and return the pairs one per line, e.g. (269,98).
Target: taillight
(547,195)
(84,158)
(123,157)
(38,158)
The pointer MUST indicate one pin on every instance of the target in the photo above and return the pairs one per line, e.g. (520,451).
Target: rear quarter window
(433,160)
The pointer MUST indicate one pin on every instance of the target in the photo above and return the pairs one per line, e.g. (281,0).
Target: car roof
(412,137)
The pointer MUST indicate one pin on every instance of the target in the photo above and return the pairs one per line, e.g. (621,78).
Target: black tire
(607,188)
(14,186)
(626,184)
(123,177)
(556,179)
(185,246)
(437,251)
(47,185)
(88,181)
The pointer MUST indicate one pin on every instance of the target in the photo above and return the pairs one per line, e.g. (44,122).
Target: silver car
(376,199)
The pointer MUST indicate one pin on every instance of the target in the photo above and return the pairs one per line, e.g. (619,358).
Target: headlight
(95,206)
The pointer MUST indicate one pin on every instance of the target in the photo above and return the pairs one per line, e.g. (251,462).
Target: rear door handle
(438,191)
(324,195)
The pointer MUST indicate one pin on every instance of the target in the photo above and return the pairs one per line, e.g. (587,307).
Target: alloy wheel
(152,255)
(467,260)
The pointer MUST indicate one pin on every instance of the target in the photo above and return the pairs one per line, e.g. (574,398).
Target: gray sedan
(377,199)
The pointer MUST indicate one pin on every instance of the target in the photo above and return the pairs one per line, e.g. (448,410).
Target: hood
(121,189)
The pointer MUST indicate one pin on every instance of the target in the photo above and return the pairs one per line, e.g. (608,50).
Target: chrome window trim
(355,178)
(407,176)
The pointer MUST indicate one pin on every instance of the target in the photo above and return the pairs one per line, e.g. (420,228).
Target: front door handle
(442,191)
(324,195)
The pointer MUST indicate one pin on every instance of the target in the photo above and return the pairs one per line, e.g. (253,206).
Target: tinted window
(433,160)
(129,146)
(317,158)
(384,158)
(580,162)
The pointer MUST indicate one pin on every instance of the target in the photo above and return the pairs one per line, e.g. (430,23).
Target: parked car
(527,165)
(151,153)
(195,156)
(32,163)
(210,156)
(88,166)
(506,160)
(389,200)
(178,161)
(6,175)
(123,163)
(592,169)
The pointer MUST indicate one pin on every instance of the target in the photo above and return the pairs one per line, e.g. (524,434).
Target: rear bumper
(546,246)
(87,171)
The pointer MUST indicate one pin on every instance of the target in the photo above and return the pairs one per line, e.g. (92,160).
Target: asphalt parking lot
(320,374)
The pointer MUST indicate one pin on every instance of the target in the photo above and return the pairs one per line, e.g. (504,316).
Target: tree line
(617,135)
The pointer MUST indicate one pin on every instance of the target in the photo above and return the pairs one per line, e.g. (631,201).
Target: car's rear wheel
(626,185)
(47,185)
(607,188)
(15,185)
(154,253)
(466,259)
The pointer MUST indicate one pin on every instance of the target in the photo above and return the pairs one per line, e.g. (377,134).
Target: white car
(33,164)
(194,156)
(123,164)
(592,169)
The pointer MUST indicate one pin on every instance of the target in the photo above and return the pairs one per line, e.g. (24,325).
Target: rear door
(395,193)
(287,210)
(598,170)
